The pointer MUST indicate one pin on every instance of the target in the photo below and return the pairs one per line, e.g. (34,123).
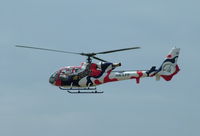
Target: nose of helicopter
(53,78)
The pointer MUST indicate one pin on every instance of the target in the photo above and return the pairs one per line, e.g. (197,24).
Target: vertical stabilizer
(169,67)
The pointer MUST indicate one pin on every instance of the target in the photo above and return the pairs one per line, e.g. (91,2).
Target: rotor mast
(89,60)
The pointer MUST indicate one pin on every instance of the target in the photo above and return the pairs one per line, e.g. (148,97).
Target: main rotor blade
(111,51)
(99,59)
(45,49)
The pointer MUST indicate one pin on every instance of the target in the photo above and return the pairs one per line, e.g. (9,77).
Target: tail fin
(169,67)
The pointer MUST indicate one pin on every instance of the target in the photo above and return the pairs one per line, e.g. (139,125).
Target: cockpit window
(77,70)
(66,71)
(54,74)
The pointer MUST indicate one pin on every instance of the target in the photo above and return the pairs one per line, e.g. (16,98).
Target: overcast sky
(30,106)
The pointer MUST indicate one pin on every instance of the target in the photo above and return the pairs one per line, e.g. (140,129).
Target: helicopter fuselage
(88,75)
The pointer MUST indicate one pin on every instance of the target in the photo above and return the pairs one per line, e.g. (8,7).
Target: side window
(70,71)
(63,71)
(76,70)
(66,71)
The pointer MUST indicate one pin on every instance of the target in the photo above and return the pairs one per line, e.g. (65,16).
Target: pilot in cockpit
(65,72)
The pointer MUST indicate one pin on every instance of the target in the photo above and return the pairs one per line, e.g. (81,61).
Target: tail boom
(126,75)
(167,70)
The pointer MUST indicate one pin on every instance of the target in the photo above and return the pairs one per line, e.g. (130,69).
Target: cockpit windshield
(53,77)
(55,74)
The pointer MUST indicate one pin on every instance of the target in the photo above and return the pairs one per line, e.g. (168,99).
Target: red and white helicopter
(85,78)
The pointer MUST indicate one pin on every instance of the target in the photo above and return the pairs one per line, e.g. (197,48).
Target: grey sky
(31,106)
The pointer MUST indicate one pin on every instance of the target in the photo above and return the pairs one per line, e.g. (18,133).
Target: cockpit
(63,74)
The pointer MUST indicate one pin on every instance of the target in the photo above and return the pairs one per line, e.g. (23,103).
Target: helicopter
(85,78)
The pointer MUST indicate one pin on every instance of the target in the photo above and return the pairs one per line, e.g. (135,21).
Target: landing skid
(81,90)
(84,92)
